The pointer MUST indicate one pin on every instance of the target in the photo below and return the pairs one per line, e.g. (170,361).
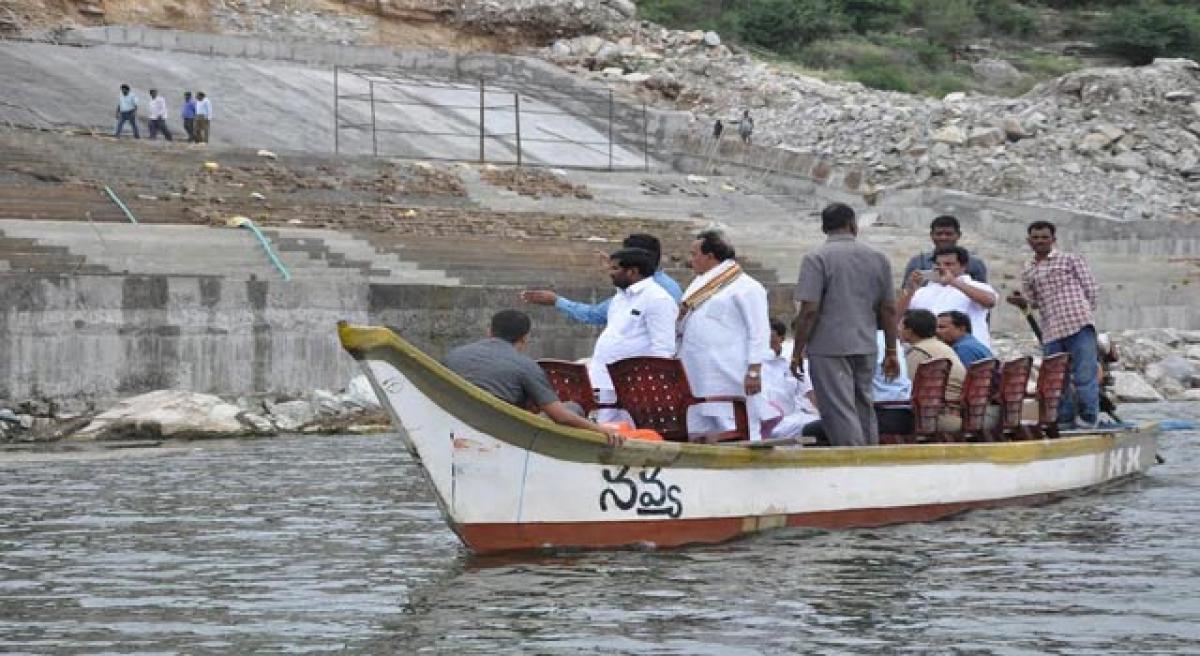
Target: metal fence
(406,115)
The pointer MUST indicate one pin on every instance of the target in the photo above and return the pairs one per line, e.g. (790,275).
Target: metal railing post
(337,121)
(645,138)
(374,141)
(610,130)
(517,114)
(482,131)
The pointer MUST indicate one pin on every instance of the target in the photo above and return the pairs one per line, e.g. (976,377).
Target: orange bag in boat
(625,430)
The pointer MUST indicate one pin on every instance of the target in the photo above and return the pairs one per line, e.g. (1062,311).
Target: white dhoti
(720,339)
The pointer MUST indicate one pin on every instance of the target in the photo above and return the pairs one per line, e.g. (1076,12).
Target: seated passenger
(954,328)
(918,330)
(788,403)
(499,365)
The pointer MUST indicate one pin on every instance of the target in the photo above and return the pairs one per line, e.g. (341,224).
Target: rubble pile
(1118,141)
(535,183)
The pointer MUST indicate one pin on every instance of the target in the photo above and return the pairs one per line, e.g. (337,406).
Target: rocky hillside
(1119,141)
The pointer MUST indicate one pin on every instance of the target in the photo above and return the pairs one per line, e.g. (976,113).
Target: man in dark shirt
(944,231)
(954,328)
(499,365)
(845,294)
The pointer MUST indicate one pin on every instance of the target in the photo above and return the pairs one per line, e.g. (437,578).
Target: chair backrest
(1014,378)
(571,382)
(656,394)
(1052,379)
(976,394)
(929,394)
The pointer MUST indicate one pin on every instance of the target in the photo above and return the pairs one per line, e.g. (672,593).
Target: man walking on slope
(1062,286)
(845,293)
(127,105)
(158,116)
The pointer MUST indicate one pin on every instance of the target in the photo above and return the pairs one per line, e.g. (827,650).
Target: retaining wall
(78,340)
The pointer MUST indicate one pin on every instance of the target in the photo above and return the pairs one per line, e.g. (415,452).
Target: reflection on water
(333,544)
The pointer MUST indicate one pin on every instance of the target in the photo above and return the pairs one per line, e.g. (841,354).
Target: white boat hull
(507,480)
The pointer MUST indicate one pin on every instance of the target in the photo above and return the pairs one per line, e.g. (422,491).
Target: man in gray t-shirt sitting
(499,365)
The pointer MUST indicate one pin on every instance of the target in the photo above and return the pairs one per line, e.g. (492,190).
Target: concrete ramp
(259,103)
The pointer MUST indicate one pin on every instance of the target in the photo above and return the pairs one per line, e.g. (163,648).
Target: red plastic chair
(656,394)
(1052,380)
(927,403)
(976,395)
(1014,378)
(571,382)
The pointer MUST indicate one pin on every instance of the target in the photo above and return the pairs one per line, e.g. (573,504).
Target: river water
(333,544)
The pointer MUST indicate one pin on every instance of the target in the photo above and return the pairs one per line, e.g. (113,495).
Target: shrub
(1151,29)
(1007,17)
(865,16)
(788,25)
(887,77)
(948,22)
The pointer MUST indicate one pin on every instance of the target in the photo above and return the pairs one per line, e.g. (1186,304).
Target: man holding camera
(943,231)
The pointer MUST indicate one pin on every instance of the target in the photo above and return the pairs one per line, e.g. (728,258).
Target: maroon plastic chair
(976,395)
(927,402)
(1052,381)
(1014,378)
(571,382)
(656,394)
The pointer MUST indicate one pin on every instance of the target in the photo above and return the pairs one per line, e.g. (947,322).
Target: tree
(788,25)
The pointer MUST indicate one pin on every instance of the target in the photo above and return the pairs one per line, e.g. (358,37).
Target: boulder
(1130,387)
(291,415)
(360,392)
(712,39)
(986,137)
(1129,161)
(167,414)
(625,8)
(996,72)
(561,49)
(951,134)
(1179,95)
(1173,367)
(1014,129)
(1092,142)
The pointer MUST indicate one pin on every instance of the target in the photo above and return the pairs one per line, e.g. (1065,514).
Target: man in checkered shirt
(1062,286)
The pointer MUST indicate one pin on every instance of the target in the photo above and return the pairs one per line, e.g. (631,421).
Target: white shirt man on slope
(724,335)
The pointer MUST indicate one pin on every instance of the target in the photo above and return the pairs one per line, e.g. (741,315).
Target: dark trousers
(129,117)
(189,126)
(160,125)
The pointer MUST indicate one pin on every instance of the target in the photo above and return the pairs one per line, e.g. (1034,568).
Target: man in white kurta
(723,337)
(788,402)
(641,322)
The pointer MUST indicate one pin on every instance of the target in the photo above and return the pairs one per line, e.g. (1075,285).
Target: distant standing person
(203,117)
(718,128)
(746,126)
(127,105)
(1062,286)
(189,116)
(845,293)
(158,116)
(944,232)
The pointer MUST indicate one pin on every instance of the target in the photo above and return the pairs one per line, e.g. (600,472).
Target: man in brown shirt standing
(845,294)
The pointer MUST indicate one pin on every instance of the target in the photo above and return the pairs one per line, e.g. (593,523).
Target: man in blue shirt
(127,104)
(954,328)
(596,314)
(943,231)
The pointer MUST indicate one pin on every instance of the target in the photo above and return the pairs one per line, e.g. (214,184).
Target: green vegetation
(913,45)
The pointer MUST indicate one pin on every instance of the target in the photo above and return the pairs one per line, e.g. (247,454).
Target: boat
(509,480)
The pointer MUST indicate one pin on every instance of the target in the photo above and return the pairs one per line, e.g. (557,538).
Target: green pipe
(113,195)
(266,244)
